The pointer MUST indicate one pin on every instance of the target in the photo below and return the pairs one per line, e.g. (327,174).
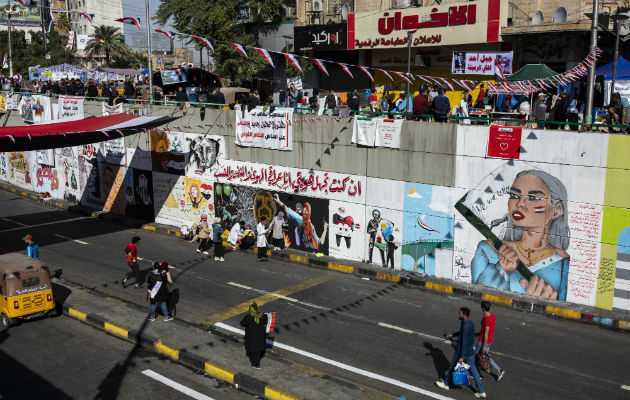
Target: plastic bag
(460,375)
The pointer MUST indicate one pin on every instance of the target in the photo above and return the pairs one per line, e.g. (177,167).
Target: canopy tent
(531,72)
(77,132)
(623,70)
(146,70)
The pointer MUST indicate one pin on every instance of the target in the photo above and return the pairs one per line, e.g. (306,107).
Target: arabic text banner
(388,132)
(321,184)
(482,63)
(265,128)
(364,131)
(70,107)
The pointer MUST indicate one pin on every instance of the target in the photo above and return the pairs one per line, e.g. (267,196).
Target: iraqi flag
(130,20)
(366,72)
(386,73)
(271,322)
(345,68)
(89,17)
(168,34)
(291,58)
(240,48)
(320,65)
(205,41)
(401,76)
(265,54)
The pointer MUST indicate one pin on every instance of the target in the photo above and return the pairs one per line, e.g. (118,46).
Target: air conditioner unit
(316,5)
(402,3)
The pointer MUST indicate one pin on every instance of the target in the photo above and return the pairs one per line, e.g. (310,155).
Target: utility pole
(41,17)
(617,17)
(9,39)
(408,91)
(588,117)
(149,68)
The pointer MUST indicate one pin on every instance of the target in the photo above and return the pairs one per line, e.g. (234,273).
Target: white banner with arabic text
(262,128)
(364,131)
(388,132)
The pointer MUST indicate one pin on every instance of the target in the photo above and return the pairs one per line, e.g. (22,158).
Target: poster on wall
(181,201)
(264,128)
(46,180)
(504,141)
(167,152)
(364,131)
(114,151)
(204,154)
(8,102)
(20,169)
(347,230)
(482,63)
(112,110)
(67,162)
(90,182)
(427,243)
(545,228)
(35,109)
(306,218)
(4,166)
(143,192)
(383,227)
(388,133)
(70,107)
(111,178)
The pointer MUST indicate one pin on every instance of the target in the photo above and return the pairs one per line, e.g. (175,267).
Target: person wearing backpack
(217,232)
(441,106)
(131,252)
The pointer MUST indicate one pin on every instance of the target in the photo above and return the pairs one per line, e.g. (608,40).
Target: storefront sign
(482,63)
(441,25)
(325,37)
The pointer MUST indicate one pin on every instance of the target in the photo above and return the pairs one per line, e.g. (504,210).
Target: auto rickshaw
(25,289)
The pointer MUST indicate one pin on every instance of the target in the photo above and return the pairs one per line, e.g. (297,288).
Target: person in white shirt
(261,239)
(236,233)
(463,108)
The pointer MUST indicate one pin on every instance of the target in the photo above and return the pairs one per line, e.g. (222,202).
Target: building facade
(105,13)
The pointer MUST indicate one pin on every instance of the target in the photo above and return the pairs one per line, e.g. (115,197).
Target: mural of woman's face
(530,203)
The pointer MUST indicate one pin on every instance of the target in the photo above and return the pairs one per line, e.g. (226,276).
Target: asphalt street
(390,334)
(61,358)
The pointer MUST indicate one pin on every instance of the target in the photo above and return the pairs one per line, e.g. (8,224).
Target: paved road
(61,358)
(384,329)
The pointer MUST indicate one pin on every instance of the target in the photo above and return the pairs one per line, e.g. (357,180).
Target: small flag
(345,68)
(293,60)
(105,133)
(89,17)
(366,72)
(206,42)
(447,83)
(265,54)
(239,48)
(401,76)
(271,322)
(320,65)
(12,138)
(130,20)
(168,34)
(386,73)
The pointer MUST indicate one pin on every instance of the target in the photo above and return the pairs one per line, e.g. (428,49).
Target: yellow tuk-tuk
(25,289)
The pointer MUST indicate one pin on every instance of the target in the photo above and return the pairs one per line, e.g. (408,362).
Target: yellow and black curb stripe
(226,374)
(422,282)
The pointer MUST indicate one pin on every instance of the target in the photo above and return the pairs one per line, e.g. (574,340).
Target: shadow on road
(440,362)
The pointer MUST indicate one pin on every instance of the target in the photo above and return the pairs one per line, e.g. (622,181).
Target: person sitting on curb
(32,249)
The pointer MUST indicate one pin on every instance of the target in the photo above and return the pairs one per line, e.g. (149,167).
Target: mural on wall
(20,169)
(45,157)
(138,148)
(46,180)
(167,152)
(114,151)
(383,228)
(203,155)
(347,230)
(307,217)
(4,166)
(67,161)
(522,214)
(112,177)
(621,299)
(90,182)
(143,195)
(427,243)
(181,201)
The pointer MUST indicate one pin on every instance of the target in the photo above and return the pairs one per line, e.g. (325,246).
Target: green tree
(29,54)
(63,23)
(223,20)
(106,44)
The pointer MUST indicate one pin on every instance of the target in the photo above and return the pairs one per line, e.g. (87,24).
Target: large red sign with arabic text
(504,141)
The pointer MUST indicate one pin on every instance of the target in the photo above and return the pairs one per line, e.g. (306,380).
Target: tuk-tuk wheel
(53,313)
(6,322)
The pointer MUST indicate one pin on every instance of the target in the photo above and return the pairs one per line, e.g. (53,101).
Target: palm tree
(105,44)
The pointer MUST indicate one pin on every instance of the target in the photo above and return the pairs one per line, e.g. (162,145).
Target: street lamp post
(149,67)
(588,117)
(617,18)
(9,39)
(409,40)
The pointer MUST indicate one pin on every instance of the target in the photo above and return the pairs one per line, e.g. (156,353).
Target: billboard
(20,15)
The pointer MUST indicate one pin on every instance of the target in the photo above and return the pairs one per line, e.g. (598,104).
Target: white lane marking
(69,238)
(291,299)
(625,387)
(177,386)
(337,364)
(13,221)
(398,328)
(45,224)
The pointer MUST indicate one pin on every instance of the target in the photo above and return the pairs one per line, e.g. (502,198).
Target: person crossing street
(485,337)
(131,252)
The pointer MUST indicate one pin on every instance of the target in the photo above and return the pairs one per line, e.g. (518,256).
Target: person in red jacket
(421,104)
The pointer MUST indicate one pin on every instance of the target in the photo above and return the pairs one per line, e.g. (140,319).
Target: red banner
(504,141)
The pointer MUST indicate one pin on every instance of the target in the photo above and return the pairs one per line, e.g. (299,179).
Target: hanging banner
(70,42)
(364,131)
(111,110)
(70,107)
(504,142)
(262,128)
(482,63)
(35,109)
(388,132)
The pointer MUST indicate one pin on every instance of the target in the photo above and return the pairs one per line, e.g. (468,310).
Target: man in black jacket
(464,352)
(92,90)
(354,101)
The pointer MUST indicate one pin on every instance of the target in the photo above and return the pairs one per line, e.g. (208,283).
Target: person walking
(131,251)
(277,234)
(236,233)
(217,239)
(158,292)
(464,352)
(32,249)
(485,337)
(204,235)
(255,335)
(261,240)
(441,106)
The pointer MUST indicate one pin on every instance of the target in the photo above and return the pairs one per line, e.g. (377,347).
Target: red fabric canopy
(68,127)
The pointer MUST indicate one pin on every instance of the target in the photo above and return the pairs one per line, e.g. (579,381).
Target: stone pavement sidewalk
(217,356)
